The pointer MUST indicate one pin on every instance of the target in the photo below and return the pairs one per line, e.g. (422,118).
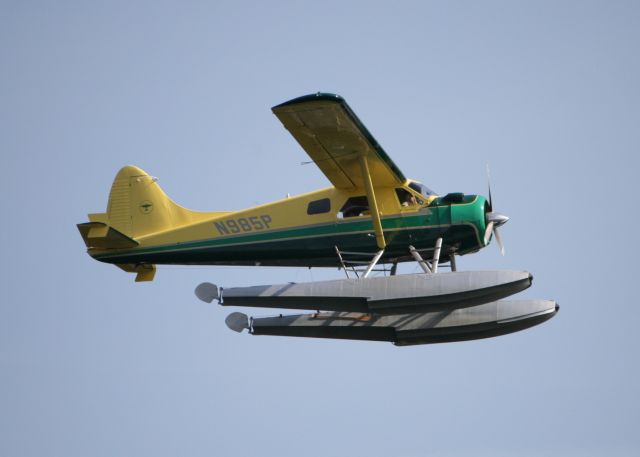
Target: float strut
(436,256)
(423,264)
(373,263)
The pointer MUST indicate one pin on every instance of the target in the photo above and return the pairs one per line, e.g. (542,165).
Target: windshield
(424,190)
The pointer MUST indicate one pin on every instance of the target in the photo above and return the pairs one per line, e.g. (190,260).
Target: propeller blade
(499,240)
(487,233)
(493,219)
(489,188)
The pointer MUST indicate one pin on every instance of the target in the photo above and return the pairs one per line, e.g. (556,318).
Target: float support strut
(373,263)
(436,256)
(423,264)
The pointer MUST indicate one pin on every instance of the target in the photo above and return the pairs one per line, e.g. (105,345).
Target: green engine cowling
(465,215)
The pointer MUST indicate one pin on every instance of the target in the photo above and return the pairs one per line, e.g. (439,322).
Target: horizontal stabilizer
(462,324)
(384,295)
(101,236)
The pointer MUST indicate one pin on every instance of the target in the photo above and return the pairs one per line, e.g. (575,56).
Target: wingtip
(318,96)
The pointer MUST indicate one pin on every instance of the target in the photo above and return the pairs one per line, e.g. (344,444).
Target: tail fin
(137,207)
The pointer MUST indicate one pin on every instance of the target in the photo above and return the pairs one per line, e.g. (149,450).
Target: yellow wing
(335,139)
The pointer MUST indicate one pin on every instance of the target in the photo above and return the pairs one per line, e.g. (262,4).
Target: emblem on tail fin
(145,207)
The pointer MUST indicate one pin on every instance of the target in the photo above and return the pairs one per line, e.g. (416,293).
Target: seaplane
(369,220)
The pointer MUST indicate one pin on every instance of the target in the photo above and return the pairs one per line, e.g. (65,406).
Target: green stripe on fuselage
(303,243)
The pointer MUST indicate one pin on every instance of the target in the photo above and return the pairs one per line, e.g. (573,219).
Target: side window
(319,206)
(355,206)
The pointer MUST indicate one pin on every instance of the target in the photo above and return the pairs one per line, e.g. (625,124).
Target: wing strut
(371,196)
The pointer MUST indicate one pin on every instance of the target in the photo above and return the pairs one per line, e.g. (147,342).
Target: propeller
(493,219)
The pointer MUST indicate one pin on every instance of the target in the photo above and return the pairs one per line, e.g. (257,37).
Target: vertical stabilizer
(138,206)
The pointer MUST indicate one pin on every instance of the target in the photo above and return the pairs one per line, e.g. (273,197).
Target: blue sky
(91,363)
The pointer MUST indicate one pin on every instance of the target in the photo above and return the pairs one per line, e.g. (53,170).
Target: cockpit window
(406,198)
(424,190)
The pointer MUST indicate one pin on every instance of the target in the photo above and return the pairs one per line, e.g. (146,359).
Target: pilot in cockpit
(406,198)
(409,200)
